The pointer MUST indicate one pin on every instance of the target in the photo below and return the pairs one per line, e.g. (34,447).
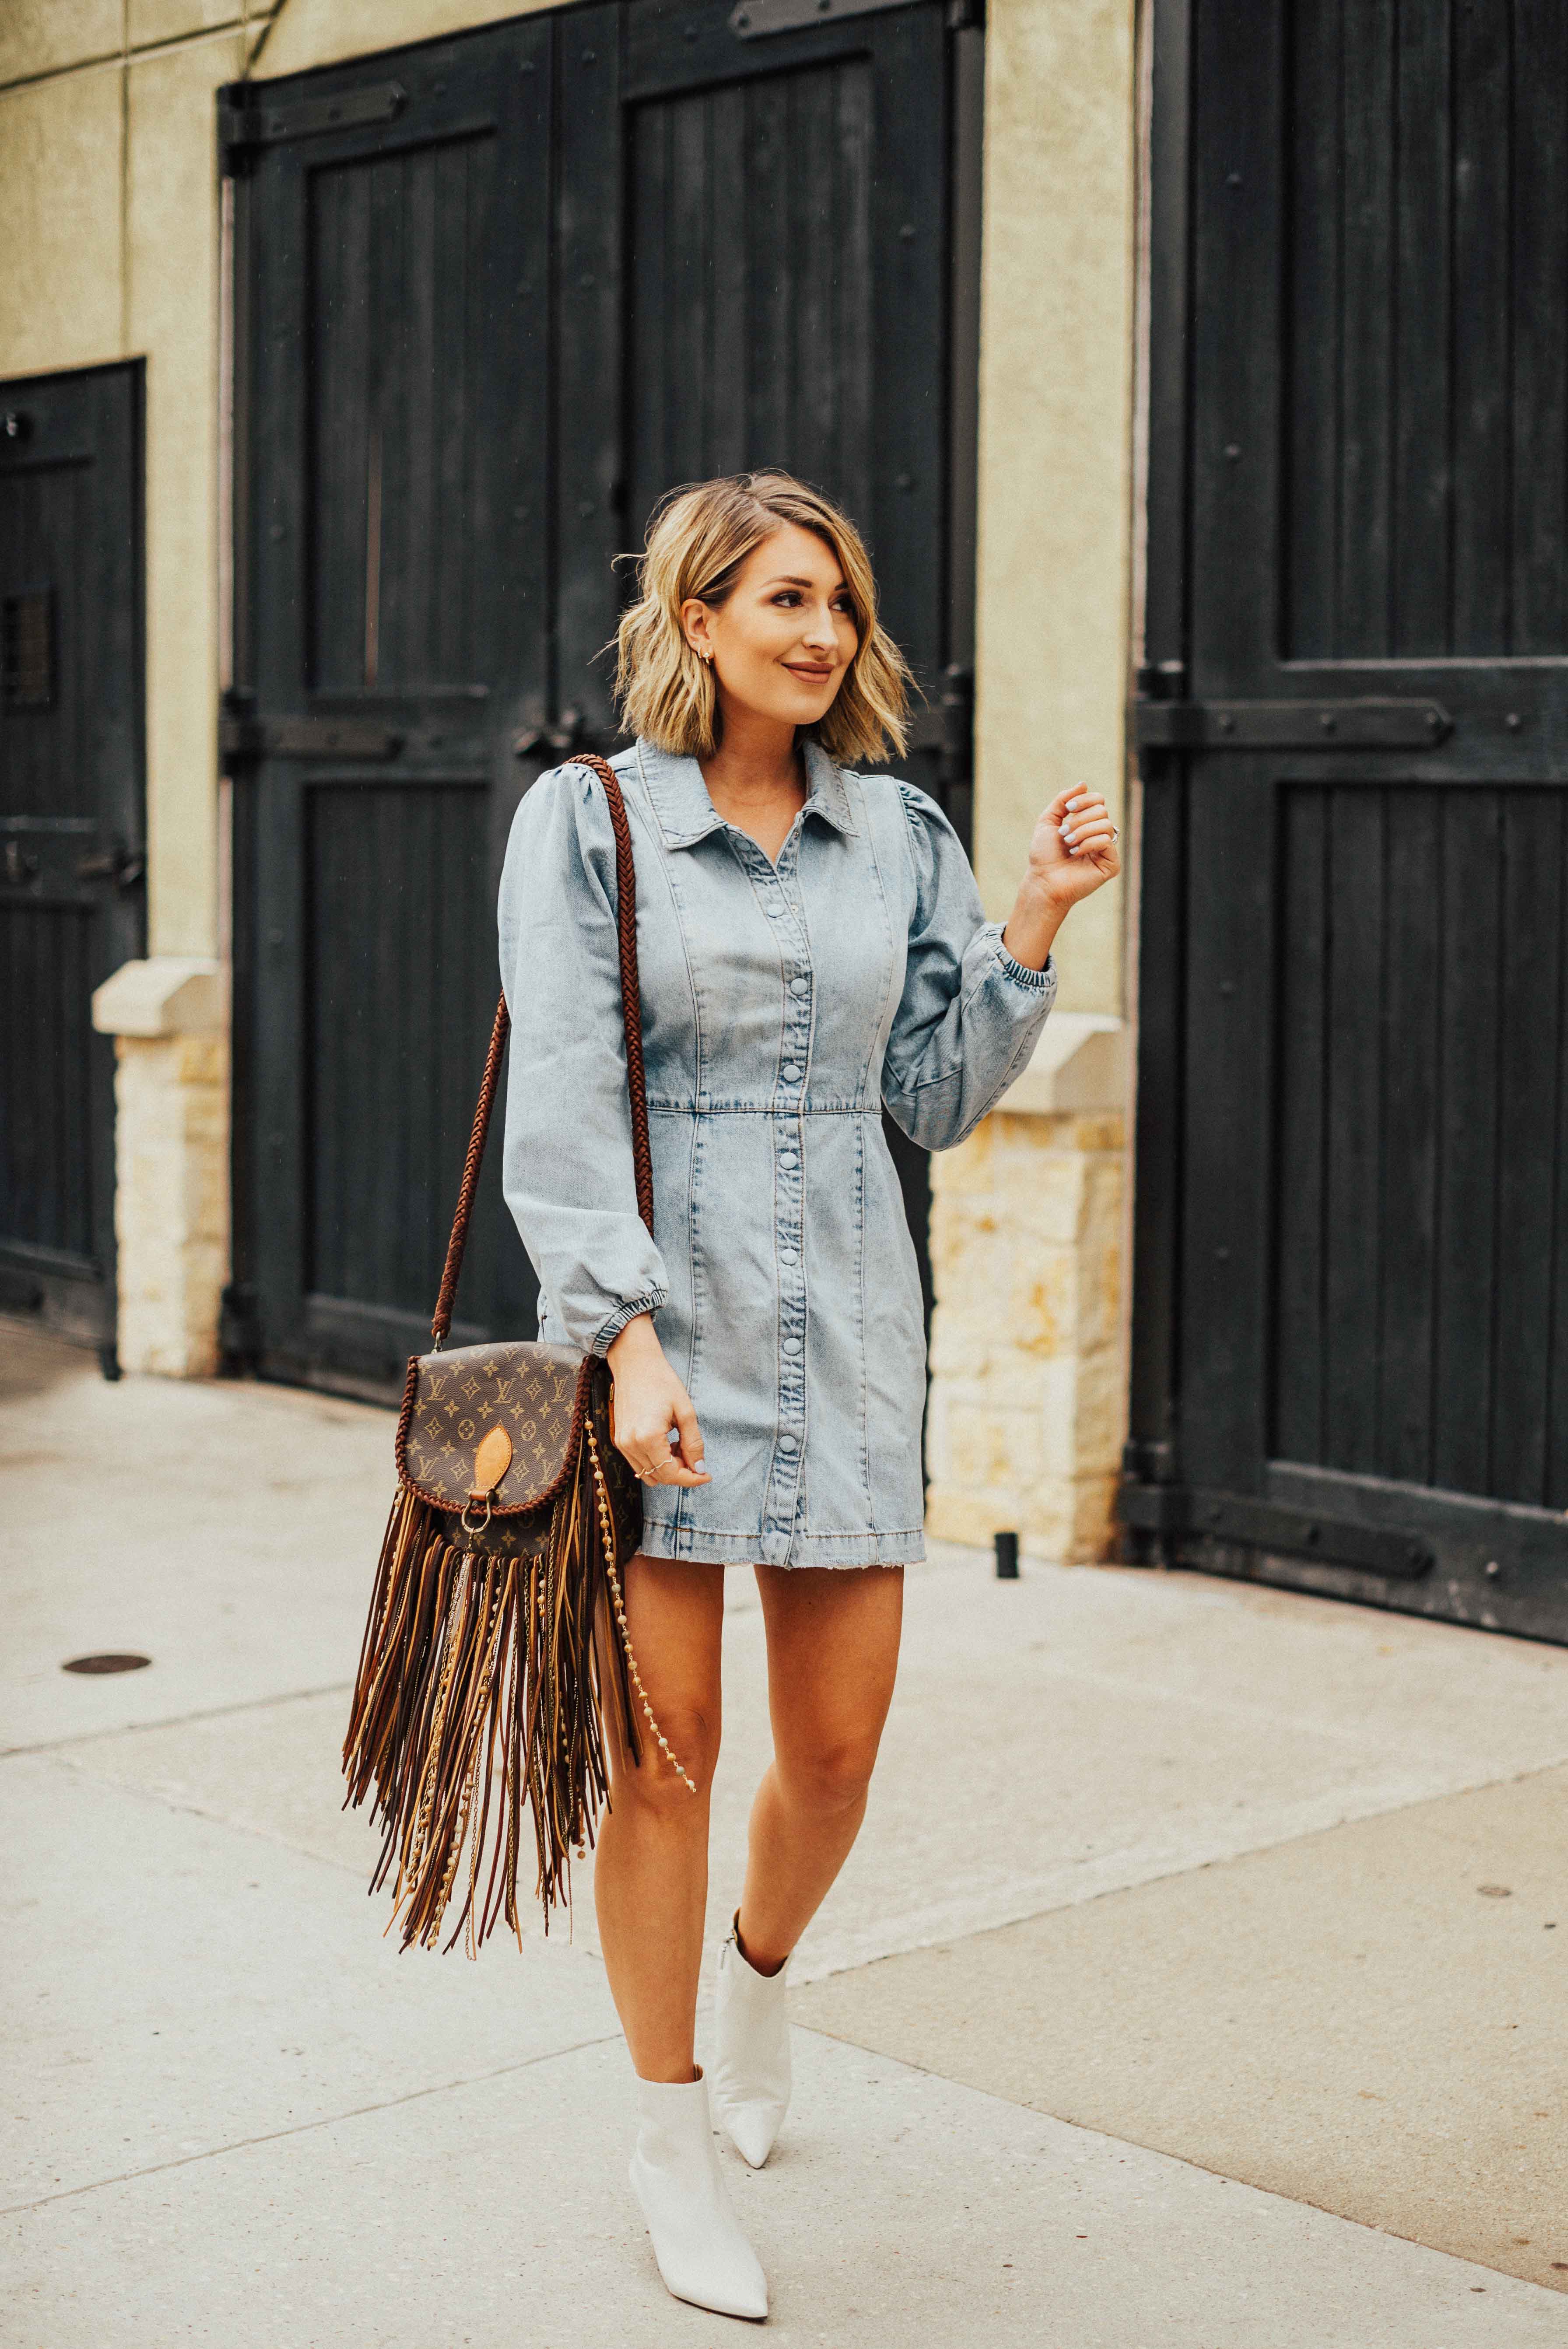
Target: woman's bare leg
(650,1869)
(833,1656)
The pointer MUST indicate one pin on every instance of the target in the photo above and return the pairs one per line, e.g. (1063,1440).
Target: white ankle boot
(702,2251)
(752,2059)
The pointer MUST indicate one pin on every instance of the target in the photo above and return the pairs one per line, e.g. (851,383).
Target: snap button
(789,1072)
(785,1442)
(791,1345)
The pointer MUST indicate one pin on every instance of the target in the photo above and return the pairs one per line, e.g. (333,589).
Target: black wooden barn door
(768,237)
(392,634)
(497,294)
(1352,1312)
(71,826)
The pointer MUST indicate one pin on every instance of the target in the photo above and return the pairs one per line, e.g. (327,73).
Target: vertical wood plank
(1228,1190)
(729,408)
(690,390)
(1415,1010)
(588,386)
(1236,452)
(1470,913)
(390,458)
(1355,1198)
(1301,1237)
(1311,569)
(1419,387)
(1482,340)
(1531,1047)
(769,373)
(1370,213)
(1554,1402)
(1539,209)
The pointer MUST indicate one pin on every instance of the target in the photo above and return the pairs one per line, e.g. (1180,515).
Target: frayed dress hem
(708,1549)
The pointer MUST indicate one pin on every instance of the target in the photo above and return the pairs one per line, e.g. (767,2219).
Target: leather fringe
(478,1695)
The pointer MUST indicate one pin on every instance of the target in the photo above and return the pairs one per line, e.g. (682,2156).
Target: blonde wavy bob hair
(698,538)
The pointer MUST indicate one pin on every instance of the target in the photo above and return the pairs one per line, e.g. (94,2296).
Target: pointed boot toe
(751,2077)
(699,2243)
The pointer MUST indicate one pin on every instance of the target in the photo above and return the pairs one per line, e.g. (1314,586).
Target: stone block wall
(171,1200)
(1028,1376)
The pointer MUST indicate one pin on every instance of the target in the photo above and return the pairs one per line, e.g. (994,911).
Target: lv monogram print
(530,1389)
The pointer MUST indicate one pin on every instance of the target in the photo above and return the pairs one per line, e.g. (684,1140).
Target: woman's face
(782,640)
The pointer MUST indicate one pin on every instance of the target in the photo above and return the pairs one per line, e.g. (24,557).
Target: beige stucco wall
(307,33)
(171,261)
(1055,447)
(62,285)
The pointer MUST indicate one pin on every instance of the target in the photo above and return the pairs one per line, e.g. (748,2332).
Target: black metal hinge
(245,122)
(243,737)
(1288,725)
(753,20)
(1188,1509)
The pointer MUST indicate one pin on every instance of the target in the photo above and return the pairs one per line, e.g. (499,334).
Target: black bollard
(1006,1557)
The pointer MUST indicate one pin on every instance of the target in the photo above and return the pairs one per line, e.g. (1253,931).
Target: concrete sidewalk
(1197,1982)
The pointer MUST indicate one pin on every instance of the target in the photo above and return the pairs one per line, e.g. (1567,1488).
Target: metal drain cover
(105,1663)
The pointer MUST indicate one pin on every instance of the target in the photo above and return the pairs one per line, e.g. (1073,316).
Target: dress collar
(686,814)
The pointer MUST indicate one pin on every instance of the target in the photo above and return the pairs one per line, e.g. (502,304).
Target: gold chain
(602,1498)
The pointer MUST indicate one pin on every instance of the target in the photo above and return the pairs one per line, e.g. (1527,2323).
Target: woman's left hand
(1073,850)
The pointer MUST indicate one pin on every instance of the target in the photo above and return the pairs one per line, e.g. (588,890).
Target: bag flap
(537,1394)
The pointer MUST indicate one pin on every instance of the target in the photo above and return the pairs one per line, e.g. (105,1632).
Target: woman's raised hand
(1073,850)
(647,1400)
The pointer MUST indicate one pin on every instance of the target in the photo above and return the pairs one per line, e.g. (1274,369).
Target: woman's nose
(820,628)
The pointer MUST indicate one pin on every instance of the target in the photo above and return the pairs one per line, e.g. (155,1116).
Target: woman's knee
(654,1783)
(830,1776)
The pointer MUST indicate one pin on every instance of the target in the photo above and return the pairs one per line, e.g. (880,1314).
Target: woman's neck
(757,759)
(757,779)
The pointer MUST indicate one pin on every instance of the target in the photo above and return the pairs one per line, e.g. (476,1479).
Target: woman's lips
(817,671)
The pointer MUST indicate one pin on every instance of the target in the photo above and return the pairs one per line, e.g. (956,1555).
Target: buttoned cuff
(649,1302)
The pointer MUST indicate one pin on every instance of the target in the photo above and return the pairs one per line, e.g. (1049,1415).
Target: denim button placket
(786,1484)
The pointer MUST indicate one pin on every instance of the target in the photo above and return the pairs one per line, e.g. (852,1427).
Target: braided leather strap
(637,1087)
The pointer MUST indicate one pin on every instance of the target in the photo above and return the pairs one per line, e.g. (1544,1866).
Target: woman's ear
(693,626)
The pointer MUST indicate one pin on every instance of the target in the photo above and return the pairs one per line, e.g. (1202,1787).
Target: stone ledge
(167,995)
(1079,1063)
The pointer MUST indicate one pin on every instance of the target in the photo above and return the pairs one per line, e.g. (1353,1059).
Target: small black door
(1352,1291)
(71,826)
(498,293)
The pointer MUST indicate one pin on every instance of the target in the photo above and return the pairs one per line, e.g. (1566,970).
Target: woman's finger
(657,1462)
(691,1445)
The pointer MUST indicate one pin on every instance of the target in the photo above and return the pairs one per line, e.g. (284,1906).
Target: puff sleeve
(567,1163)
(969,1015)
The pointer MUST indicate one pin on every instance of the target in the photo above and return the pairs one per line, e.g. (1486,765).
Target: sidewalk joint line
(177,1719)
(305,2129)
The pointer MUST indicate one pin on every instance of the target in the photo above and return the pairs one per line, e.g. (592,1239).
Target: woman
(811,944)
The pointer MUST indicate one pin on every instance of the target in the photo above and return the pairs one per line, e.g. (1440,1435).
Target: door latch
(120,865)
(567,733)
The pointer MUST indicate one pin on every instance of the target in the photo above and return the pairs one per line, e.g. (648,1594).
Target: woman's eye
(788,596)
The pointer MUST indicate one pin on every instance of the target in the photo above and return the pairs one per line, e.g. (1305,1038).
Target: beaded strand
(602,1496)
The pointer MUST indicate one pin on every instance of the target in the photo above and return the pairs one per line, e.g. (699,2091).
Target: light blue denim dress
(782,1006)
